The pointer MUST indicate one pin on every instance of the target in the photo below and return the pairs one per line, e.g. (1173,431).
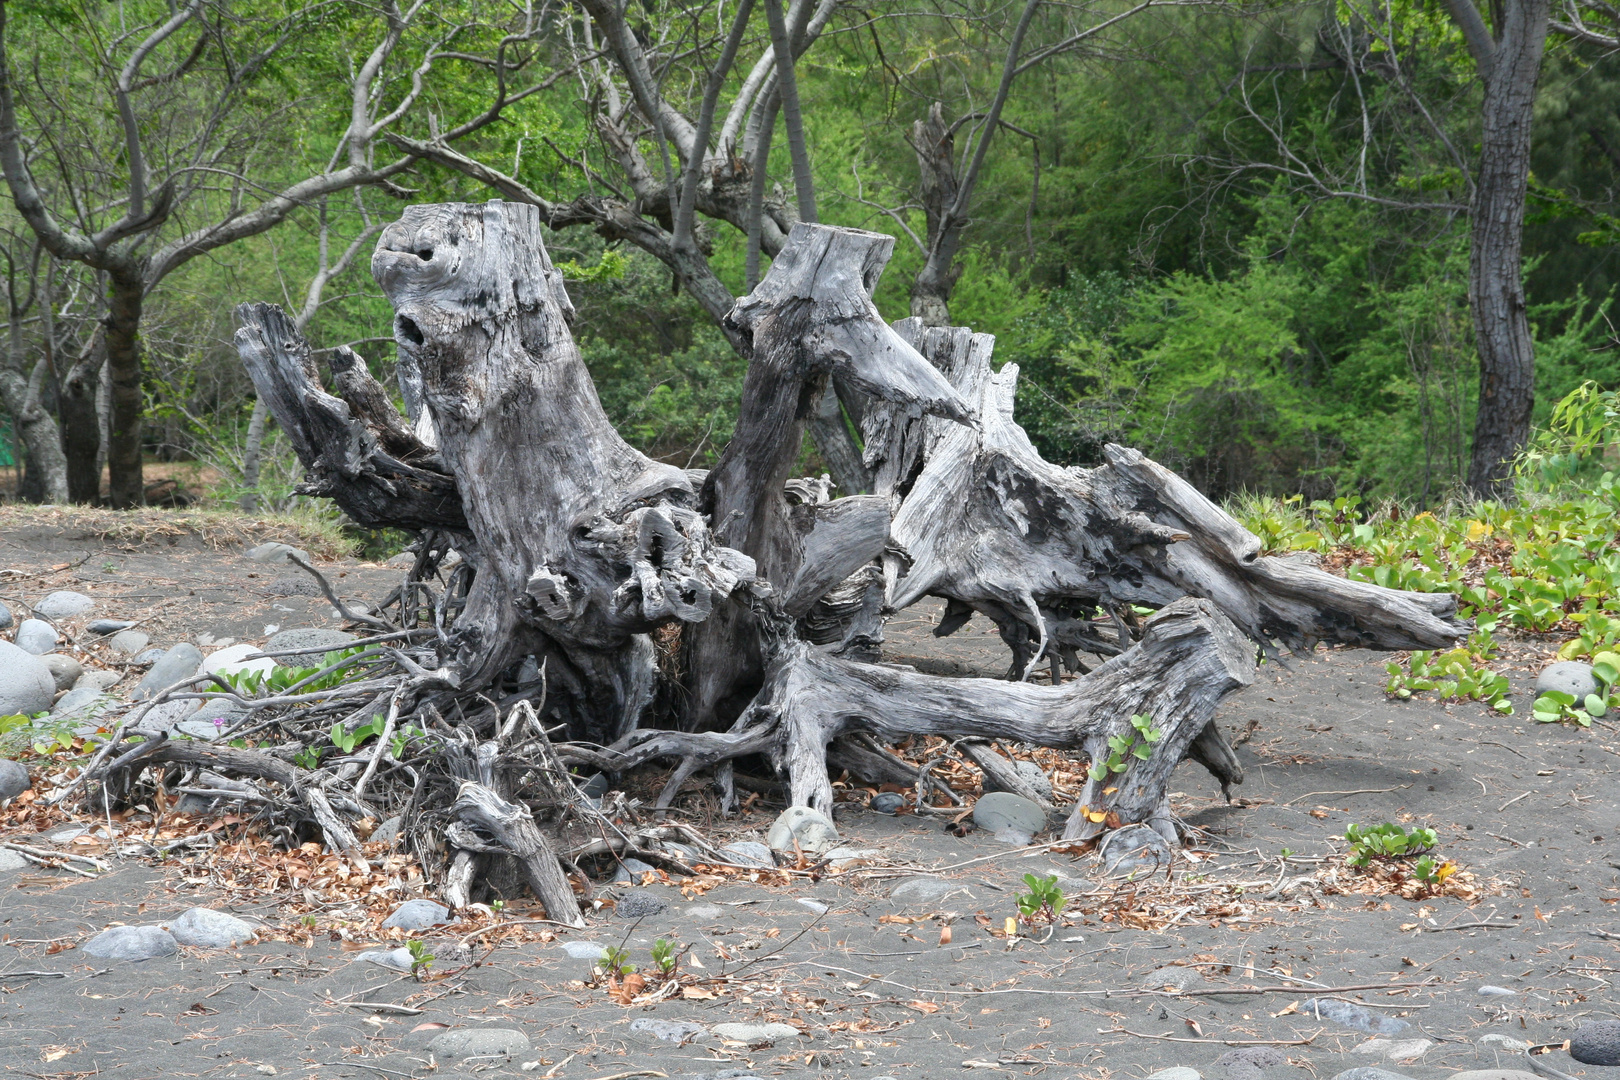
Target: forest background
(1235,235)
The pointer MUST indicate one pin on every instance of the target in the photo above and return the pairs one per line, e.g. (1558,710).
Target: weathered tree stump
(578,547)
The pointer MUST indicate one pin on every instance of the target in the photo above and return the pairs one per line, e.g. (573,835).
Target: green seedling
(346,741)
(615,961)
(1135,745)
(421,959)
(664,956)
(1386,842)
(1044,901)
(1452,675)
(308,758)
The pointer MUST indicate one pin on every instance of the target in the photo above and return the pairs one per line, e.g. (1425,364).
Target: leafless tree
(180,164)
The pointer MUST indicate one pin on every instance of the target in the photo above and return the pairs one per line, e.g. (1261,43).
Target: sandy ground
(1529,812)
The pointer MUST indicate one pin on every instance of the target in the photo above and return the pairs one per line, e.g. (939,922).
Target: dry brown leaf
(923,1006)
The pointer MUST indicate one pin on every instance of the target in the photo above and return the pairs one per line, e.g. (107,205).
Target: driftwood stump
(578,548)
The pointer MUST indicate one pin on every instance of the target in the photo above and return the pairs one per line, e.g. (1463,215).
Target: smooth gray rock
(403,561)
(205,730)
(103,627)
(36,636)
(814,905)
(1596,1043)
(1368,1073)
(1494,991)
(210,929)
(392,959)
(749,853)
(757,1034)
(629,872)
(275,552)
(1350,1015)
(10,861)
(583,950)
(132,943)
(388,831)
(1178,979)
(704,911)
(1011,818)
(129,642)
(675,1032)
(841,858)
(222,709)
(99,678)
(639,903)
(922,890)
(1401,1050)
(887,802)
(233,660)
(1177,1072)
(26,684)
(6,618)
(178,663)
(417,915)
(479,1043)
(13,779)
(1568,677)
(64,604)
(811,829)
(150,656)
(65,670)
(82,702)
(1133,850)
(1033,775)
(595,786)
(1499,1041)
(307,637)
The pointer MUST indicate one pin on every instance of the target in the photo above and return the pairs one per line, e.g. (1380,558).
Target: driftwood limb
(497,825)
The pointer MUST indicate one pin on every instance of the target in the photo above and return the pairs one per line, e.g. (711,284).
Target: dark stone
(638,903)
(13,779)
(887,802)
(103,627)
(1596,1043)
(1248,1062)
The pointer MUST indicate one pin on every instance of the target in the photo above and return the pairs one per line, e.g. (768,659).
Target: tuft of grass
(216,529)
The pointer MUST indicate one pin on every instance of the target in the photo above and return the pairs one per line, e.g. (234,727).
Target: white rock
(210,929)
(276,553)
(234,659)
(26,684)
(65,605)
(36,636)
(755,1034)
(812,830)
(129,642)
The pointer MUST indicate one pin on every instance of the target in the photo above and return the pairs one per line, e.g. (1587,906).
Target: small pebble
(1495,991)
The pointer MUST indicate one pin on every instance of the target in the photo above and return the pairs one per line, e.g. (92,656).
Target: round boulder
(232,660)
(417,915)
(65,605)
(132,943)
(1011,818)
(178,663)
(1134,849)
(64,670)
(210,929)
(103,627)
(811,829)
(6,618)
(26,683)
(129,642)
(13,779)
(887,802)
(1567,677)
(1596,1043)
(307,637)
(36,636)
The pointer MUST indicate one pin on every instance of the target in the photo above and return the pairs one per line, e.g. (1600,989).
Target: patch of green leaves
(1555,706)
(421,959)
(1452,675)
(1043,902)
(615,961)
(279,680)
(664,956)
(1388,841)
(1135,745)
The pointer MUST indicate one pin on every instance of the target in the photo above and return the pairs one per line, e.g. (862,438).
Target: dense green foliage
(1239,243)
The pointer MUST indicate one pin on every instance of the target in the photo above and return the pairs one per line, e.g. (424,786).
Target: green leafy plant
(421,959)
(1044,901)
(403,739)
(1453,675)
(1137,744)
(615,961)
(279,680)
(308,758)
(664,956)
(1386,842)
(346,741)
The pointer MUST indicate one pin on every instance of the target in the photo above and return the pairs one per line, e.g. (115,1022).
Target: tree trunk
(125,486)
(936,168)
(584,540)
(1496,273)
(81,422)
(251,453)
